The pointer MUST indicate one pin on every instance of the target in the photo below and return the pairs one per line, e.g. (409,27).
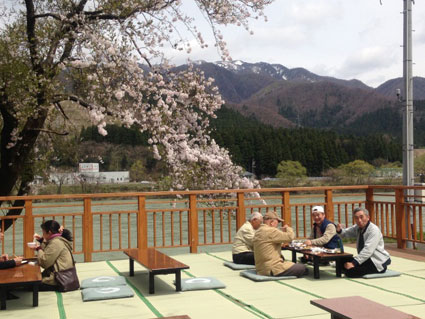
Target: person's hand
(18,260)
(61,229)
(37,236)
(5,257)
(339,227)
(348,265)
(284,228)
(307,242)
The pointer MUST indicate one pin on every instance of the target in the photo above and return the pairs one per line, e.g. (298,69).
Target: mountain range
(284,97)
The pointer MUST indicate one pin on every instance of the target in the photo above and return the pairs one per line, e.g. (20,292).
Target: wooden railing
(102,223)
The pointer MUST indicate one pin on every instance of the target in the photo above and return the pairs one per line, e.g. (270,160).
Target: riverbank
(52,189)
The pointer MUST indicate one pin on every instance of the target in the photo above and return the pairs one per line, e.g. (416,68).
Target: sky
(347,39)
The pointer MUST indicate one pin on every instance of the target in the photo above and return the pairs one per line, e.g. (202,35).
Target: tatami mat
(242,298)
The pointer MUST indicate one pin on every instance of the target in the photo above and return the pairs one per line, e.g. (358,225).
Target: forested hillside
(250,141)
(390,121)
(253,143)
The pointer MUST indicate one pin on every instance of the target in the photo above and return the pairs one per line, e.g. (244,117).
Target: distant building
(88,167)
(89,173)
(248,175)
(388,172)
(38,180)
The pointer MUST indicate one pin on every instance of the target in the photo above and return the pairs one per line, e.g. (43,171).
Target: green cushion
(238,266)
(252,274)
(388,273)
(201,283)
(102,293)
(103,281)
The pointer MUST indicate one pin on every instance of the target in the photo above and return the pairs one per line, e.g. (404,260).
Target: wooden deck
(242,298)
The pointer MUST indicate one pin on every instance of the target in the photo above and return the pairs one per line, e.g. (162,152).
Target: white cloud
(341,38)
(314,13)
(367,60)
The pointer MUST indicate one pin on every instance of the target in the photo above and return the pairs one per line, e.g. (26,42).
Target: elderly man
(4,259)
(242,251)
(268,242)
(324,231)
(372,257)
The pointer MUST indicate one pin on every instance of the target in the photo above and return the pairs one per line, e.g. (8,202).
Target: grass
(94,188)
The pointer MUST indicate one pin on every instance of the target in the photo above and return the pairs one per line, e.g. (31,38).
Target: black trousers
(46,287)
(367,267)
(246,258)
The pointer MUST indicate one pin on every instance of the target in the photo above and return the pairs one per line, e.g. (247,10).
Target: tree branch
(49,131)
(60,108)
(101,15)
(143,56)
(32,41)
(78,100)
(80,6)
(45,15)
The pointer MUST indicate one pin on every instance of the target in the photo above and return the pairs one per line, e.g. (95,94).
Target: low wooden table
(20,276)
(320,257)
(157,263)
(357,307)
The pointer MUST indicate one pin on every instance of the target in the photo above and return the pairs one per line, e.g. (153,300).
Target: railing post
(400,218)
(28,229)
(330,214)
(193,224)
(87,230)
(286,208)
(240,213)
(142,224)
(369,204)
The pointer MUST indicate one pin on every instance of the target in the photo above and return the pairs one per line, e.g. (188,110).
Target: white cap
(318,209)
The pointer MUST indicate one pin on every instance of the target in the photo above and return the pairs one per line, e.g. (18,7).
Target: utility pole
(408,146)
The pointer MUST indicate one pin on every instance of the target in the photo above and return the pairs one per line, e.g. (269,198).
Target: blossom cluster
(106,48)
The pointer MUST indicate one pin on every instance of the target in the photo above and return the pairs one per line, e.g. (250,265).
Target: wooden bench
(24,275)
(357,307)
(157,263)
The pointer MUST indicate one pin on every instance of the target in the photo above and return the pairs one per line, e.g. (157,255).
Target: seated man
(324,231)
(242,252)
(268,242)
(4,260)
(372,257)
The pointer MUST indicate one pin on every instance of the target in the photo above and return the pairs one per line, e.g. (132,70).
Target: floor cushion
(201,283)
(388,273)
(102,293)
(103,281)
(252,274)
(238,266)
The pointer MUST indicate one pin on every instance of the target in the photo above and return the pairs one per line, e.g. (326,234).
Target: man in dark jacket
(4,259)
(324,231)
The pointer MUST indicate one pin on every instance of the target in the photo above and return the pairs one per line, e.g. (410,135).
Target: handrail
(190,192)
(113,222)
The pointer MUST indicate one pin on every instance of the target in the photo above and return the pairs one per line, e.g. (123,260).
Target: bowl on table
(32,245)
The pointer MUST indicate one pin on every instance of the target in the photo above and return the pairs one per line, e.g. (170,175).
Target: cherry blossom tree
(107,50)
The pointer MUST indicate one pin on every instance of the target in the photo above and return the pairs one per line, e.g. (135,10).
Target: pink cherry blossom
(107,48)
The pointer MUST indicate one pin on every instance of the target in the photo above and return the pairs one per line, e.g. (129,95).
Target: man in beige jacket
(268,242)
(242,252)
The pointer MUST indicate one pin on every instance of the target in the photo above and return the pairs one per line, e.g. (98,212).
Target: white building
(89,173)
(88,167)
